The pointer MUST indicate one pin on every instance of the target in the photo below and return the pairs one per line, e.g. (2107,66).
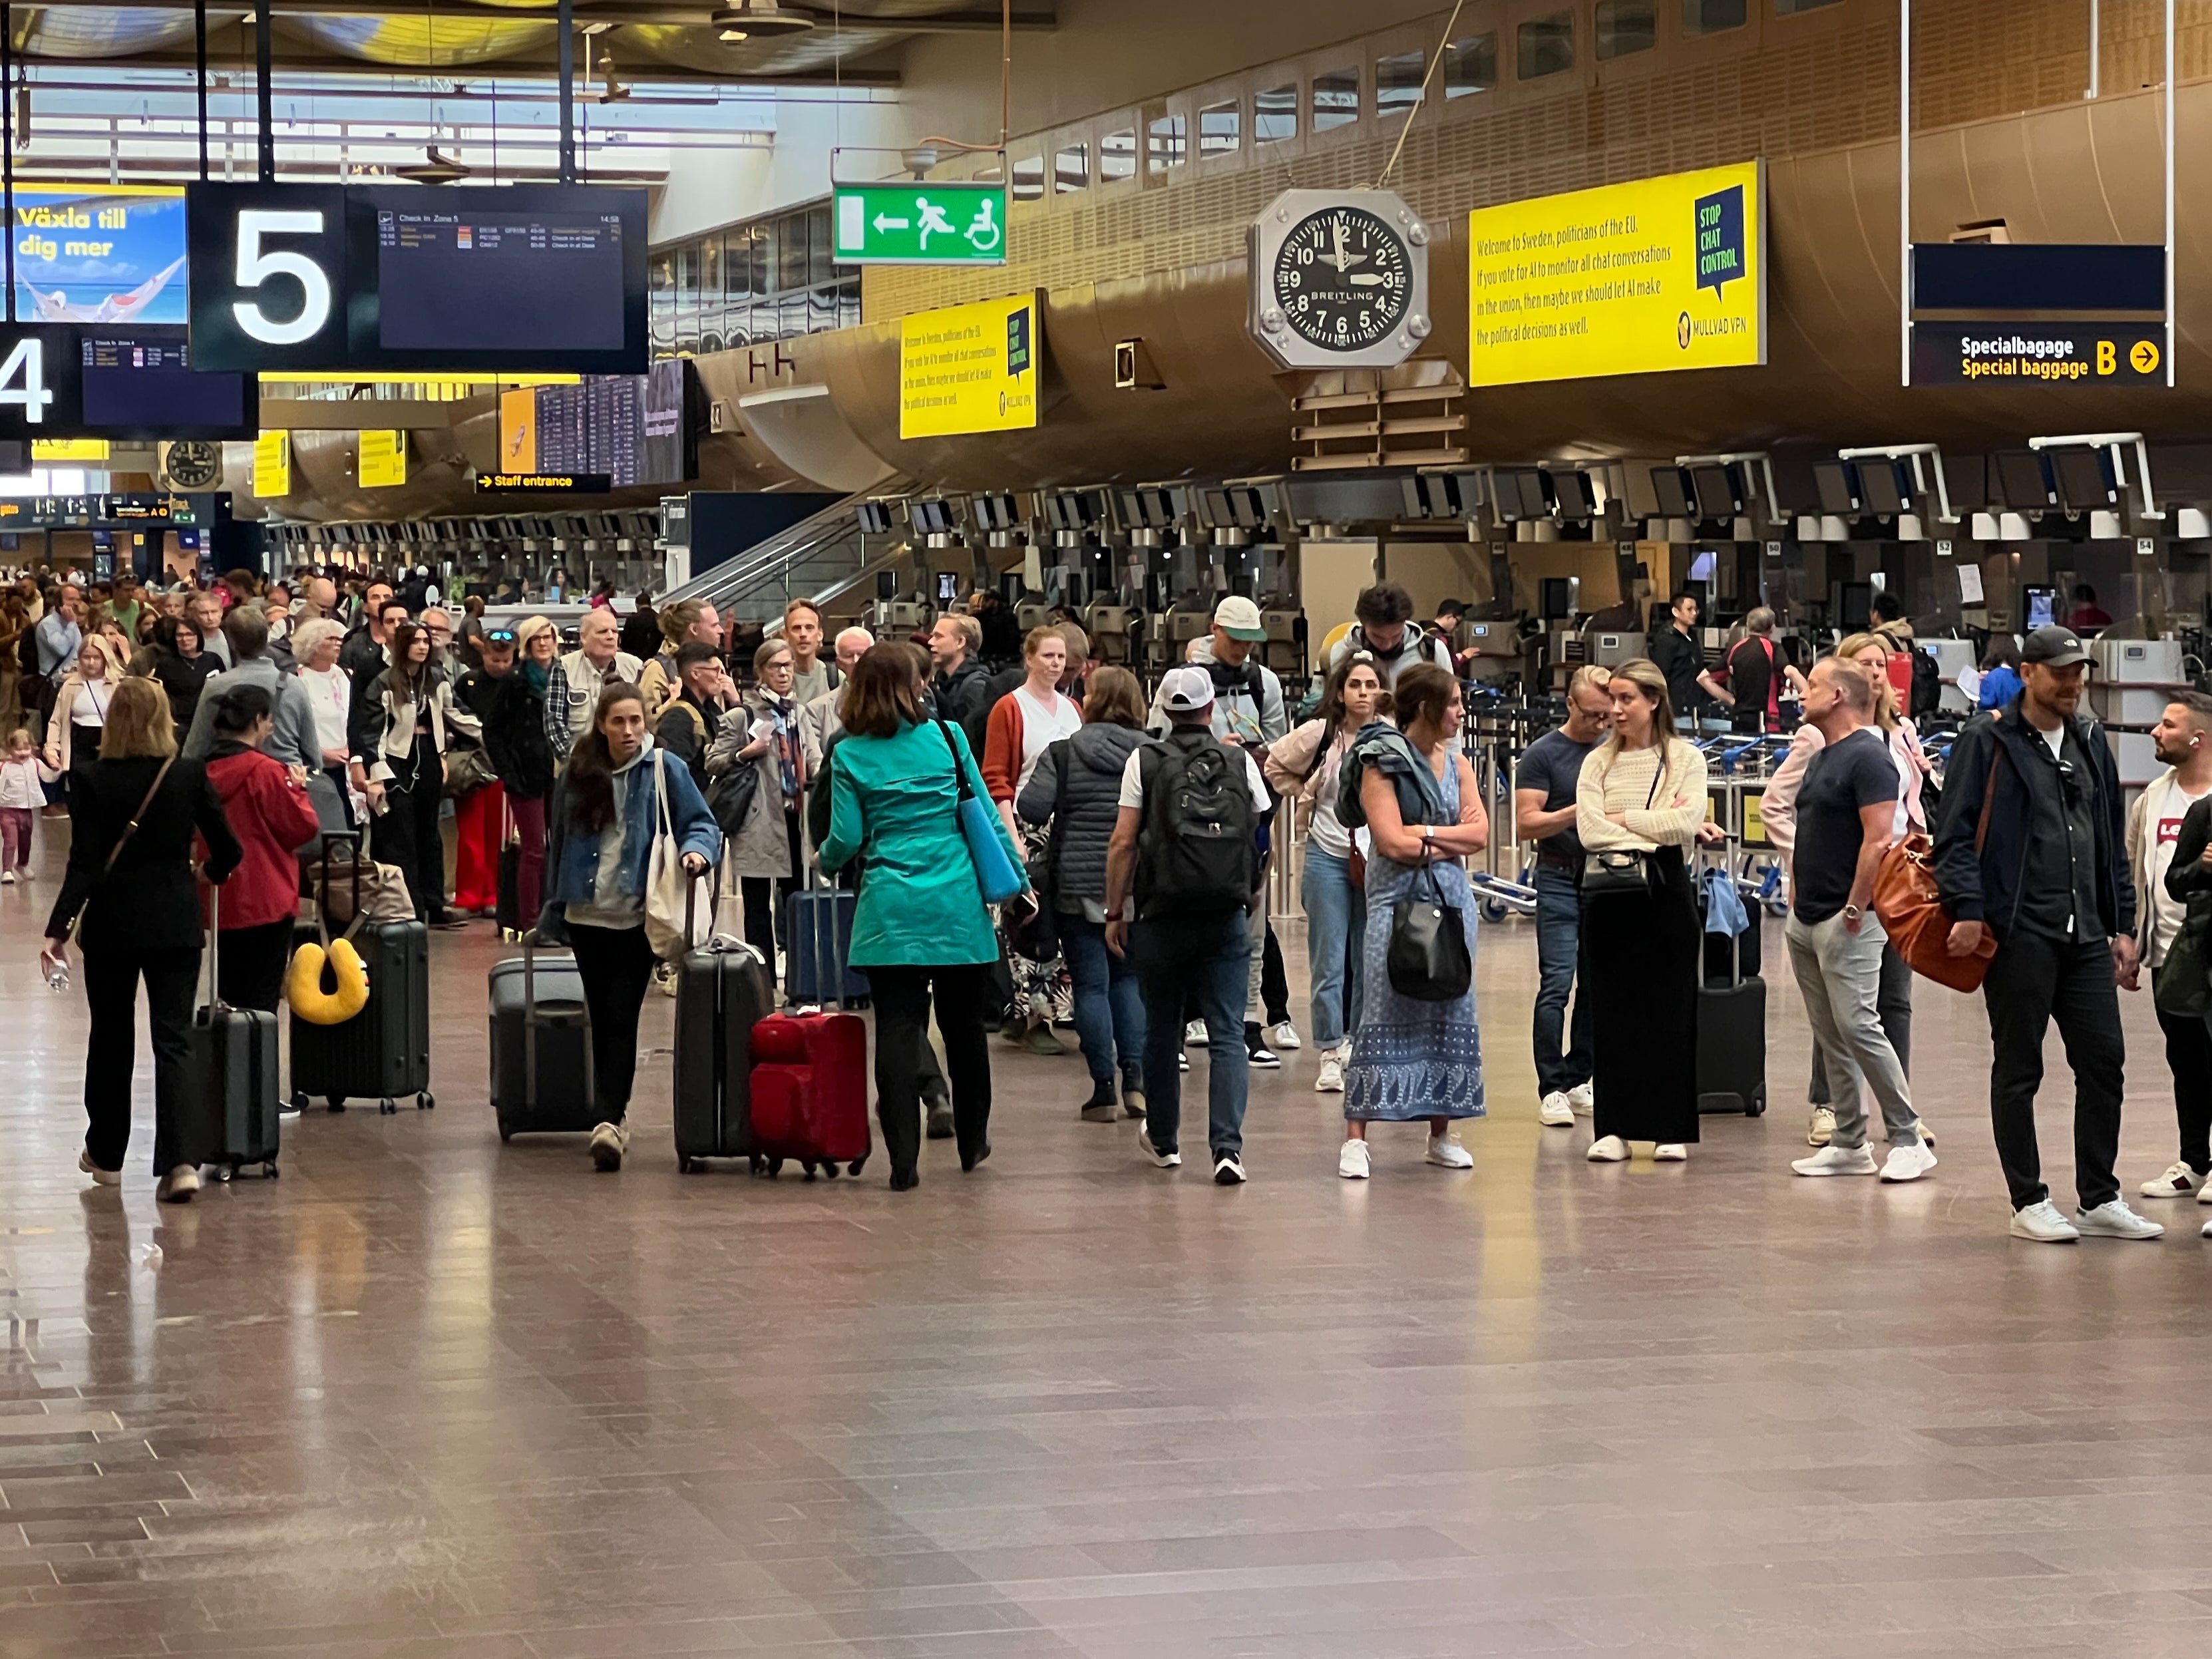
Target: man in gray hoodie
(294,741)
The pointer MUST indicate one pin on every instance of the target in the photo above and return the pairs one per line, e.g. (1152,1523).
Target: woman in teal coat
(920,924)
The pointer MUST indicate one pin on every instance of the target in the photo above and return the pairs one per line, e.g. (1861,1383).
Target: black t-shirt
(1554,764)
(1842,778)
(1754,671)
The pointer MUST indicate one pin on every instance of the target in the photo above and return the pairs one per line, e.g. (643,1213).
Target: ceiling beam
(642,71)
(617,11)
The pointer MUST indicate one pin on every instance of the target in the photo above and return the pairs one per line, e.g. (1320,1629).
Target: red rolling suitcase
(810,1091)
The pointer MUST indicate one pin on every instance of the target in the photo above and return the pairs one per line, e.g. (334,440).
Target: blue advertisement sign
(1720,239)
(99,253)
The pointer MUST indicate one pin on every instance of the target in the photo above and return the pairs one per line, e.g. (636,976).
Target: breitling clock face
(1344,279)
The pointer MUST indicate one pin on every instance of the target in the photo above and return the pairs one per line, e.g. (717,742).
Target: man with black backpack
(1183,841)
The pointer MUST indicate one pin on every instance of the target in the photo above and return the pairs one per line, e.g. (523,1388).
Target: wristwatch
(1852,913)
(1428,833)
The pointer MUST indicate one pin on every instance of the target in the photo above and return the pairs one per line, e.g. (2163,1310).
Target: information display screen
(459,278)
(140,383)
(635,429)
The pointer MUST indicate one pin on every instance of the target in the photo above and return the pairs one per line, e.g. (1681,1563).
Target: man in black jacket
(2045,872)
(958,686)
(1675,650)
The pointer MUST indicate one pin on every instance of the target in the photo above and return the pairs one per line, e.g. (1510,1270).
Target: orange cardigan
(1002,747)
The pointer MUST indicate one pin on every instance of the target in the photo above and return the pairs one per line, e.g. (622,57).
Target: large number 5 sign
(256,266)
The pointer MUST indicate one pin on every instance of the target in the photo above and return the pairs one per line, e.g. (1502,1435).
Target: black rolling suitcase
(233,1092)
(541,1045)
(1732,1036)
(384,1051)
(721,992)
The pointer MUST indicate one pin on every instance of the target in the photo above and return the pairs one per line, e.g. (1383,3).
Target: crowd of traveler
(202,740)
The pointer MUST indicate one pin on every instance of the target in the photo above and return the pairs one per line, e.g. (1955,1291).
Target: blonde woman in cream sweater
(1644,790)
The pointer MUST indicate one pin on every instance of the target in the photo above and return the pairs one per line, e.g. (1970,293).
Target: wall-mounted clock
(1339,279)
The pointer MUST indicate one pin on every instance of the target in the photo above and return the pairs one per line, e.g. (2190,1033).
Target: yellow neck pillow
(349,975)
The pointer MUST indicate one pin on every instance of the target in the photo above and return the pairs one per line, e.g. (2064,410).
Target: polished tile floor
(433,1397)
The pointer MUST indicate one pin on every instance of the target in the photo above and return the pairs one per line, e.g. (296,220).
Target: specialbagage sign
(2057,353)
(1661,274)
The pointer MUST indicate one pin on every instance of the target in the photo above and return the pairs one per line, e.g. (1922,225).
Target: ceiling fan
(758,19)
(436,169)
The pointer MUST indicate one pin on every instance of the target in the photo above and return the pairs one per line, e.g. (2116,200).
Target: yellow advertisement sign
(969,369)
(69,449)
(518,431)
(272,464)
(1625,279)
(383,459)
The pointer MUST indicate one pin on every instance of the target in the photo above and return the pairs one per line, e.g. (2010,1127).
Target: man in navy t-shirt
(1544,808)
(1846,819)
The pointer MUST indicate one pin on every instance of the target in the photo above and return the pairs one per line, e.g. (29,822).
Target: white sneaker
(1331,1080)
(1354,1163)
(1670,1152)
(2113,1220)
(1907,1163)
(609,1142)
(1446,1153)
(100,1177)
(2178,1182)
(178,1186)
(1556,1111)
(1582,1098)
(1821,1126)
(2043,1224)
(1158,1159)
(7,877)
(1228,1171)
(1611,1149)
(1194,1035)
(1833,1160)
(1286,1037)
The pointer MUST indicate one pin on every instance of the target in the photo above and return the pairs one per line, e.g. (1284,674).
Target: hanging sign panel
(1640,278)
(920,224)
(515,277)
(99,253)
(383,459)
(2030,356)
(272,465)
(969,369)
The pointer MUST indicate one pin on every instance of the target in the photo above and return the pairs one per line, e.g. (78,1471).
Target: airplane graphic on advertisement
(54,306)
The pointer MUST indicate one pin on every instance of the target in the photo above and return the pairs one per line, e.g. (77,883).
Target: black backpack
(1194,849)
(1927,684)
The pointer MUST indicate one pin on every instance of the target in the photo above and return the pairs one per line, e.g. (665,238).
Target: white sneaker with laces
(609,1142)
(1556,1111)
(1820,1126)
(1834,1160)
(7,877)
(1158,1159)
(1194,1035)
(1331,1080)
(1286,1037)
(1228,1170)
(1670,1152)
(2113,1220)
(1610,1149)
(1907,1163)
(2043,1224)
(1582,1098)
(1355,1164)
(1446,1153)
(2178,1182)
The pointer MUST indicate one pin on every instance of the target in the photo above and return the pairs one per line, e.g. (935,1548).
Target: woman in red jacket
(267,805)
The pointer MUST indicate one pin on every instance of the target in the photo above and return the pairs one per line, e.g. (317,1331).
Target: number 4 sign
(40,381)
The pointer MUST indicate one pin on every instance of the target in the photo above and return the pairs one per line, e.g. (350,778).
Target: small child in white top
(22,774)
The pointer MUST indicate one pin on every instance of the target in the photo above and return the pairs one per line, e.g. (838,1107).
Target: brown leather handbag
(1911,905)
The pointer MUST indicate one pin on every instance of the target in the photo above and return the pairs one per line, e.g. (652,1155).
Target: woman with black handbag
(1418,1051)
(1640,805)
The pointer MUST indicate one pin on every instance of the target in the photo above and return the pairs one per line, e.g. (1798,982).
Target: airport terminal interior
(909,829)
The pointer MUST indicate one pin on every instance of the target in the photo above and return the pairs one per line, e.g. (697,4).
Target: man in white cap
(1248,712)
(1183,844)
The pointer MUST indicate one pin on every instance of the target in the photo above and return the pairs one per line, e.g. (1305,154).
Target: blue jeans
(1336,925)
(1559,935)
(1109,1012)
(1204,958)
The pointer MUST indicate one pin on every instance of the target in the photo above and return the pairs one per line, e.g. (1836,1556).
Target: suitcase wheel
(1756,1106)
(774,1168)
(830,1169)
(691,1165)
(300,1101)
(337,1102)
(269,1171)
(505,1133)
(385,1106)
(226,1172)
(854,1167)
(807,1164)
(426,1101)
(758,1165)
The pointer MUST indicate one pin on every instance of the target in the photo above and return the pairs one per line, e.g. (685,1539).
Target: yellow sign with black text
(383,459)
(272,465)
(1637,278)
(969,369)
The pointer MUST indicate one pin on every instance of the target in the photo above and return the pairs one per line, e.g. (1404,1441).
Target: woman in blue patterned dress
(1412,787)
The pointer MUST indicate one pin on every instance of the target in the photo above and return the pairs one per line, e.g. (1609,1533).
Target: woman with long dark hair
(1643,791)
(401,723)
(605,813)
(182,666)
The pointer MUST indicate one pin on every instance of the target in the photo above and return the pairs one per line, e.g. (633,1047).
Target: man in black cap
(2043,869)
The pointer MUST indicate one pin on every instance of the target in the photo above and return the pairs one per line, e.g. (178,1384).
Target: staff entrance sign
(921,224)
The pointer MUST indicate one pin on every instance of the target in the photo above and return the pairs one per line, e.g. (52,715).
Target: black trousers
(616,965)
(764,896)
(901,1003)
(111,991)
(1644,1028)
(407,833)
(2189,1057)
(249,970)
(2032,981)
(1275,983)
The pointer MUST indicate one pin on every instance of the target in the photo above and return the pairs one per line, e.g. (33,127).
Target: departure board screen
(140,383)
(464,277)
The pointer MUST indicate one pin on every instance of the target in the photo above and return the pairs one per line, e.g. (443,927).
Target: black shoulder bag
(1428,955)
(1622,869)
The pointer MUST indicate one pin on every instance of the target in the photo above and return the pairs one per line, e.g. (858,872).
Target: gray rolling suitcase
(234,1096)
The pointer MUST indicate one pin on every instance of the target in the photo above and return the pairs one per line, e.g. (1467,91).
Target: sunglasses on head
(498,636)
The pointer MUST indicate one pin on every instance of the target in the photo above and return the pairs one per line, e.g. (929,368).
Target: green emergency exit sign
(921,224)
